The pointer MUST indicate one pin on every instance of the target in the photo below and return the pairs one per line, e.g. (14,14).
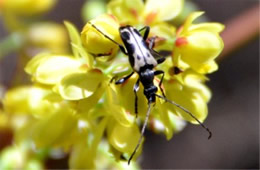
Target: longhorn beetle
(140,55)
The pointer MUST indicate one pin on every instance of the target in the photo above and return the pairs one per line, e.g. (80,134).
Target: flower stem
(11,43)
(240,30)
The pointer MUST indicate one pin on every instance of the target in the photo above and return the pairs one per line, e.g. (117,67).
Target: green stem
(11,43)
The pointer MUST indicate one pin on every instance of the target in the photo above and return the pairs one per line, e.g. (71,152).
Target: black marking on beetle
(131,49)
(132,61)
(125,35)
(145,60)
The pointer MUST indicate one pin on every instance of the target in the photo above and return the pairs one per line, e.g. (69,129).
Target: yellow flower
(75,104)
(197,45)
(70,78)
(44,68)
(186,89)
(190,92)
(123,133)
(73,76)
(20,156)
(164,120)
(27,100)
(58,129)
(152,11)
(49,37)
(123,138)
(94,42)
(27,7)
(105,160)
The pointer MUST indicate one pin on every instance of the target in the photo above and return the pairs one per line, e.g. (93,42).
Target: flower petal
(202,47)
(127,12)
(48,36)
(211,27)
(190,19)
(77,86)
(123,138)
(27,100)
(195,83)
(205,68)
(34,63)
(116,110)
(162,10)
(127,97)
(51,71)
(168,128)
(55,129)
(188,99)
(28,7)
(84,152)
(86,104)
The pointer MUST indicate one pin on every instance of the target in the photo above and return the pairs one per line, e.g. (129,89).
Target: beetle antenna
(104,34)
(142,132)
(187,111)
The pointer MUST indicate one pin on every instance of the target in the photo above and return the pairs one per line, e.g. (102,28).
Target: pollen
(181,41)
(150,17)
(134,12)
(96,71)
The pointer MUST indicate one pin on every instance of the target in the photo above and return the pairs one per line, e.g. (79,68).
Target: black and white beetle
(140,55)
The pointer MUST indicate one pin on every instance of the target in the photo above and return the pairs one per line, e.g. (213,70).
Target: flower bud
(95,42)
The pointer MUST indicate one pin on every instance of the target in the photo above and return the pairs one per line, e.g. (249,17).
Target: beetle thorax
(146,78)
(138,52)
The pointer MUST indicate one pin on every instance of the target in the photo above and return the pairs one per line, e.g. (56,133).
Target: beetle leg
(100,54)
(112,79)
(146,33)
(123,49)
(155,53)
(157,72)
(136,88)
(122,80)
(151,42)
(161,60)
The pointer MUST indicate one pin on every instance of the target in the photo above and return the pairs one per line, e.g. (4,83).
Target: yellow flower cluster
(75,106)
(26,7)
